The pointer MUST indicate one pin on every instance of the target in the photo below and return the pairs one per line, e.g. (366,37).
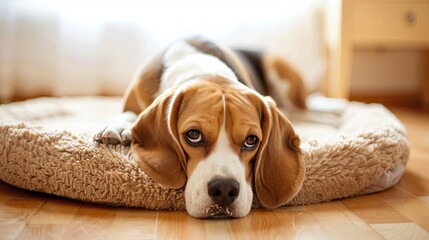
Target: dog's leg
(285,83)
(140,94)
(117,132)
(288,90)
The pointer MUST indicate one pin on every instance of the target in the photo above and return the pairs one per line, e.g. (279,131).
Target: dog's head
(216,140)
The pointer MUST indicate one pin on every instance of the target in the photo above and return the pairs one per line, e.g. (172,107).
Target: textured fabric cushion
(46,145)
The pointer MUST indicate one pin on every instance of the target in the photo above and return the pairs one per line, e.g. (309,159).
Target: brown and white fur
(194,120)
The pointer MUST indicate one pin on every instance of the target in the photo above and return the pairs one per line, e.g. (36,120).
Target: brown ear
(279,167)
(155,142)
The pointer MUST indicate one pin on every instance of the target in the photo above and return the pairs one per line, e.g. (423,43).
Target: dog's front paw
(114,134)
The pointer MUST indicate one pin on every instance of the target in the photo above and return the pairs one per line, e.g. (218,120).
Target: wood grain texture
(401,231)
(373,210)
(133,223)
(339,221)
(401,212)
(14,215)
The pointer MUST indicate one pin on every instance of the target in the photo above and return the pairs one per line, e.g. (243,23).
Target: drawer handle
(410,18)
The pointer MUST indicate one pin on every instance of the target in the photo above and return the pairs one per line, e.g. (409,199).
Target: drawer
(394,23)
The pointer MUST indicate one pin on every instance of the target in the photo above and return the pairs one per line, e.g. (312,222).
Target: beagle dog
(196,117)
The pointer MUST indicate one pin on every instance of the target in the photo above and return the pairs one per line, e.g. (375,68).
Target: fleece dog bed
(46,145)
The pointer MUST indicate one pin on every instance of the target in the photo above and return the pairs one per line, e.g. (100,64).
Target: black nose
(223,191)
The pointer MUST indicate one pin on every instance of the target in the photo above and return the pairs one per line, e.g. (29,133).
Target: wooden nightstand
(379,24)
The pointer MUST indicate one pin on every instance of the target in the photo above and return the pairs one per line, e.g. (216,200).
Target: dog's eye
(194,136)
(251,142)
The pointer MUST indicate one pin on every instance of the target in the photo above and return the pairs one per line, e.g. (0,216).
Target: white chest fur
(183,62)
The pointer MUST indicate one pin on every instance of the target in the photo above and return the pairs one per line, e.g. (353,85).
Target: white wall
(80,47)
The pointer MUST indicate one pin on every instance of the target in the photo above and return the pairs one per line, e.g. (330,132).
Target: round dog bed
(46,146)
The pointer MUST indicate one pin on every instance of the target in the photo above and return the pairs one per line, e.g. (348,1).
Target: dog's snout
(223,191)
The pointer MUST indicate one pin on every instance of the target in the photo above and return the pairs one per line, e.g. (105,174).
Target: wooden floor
(401,212)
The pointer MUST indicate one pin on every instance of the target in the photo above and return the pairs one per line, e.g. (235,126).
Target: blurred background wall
(94,47)
(79,47)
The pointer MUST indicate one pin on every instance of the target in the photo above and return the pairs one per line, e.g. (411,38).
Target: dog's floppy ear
(279,166)
(155,141)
